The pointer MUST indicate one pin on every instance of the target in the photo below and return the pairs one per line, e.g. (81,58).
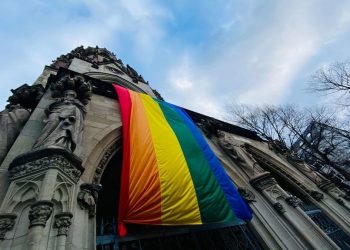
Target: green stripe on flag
(213,204)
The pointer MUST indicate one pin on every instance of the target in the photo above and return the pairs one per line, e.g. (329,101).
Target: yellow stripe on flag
(179,200)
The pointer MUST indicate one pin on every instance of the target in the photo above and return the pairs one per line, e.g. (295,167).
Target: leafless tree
(316,135)
(334,78)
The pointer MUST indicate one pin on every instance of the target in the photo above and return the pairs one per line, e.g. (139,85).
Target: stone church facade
(60,155)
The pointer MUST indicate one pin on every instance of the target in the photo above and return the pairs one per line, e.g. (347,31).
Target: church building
(61,156)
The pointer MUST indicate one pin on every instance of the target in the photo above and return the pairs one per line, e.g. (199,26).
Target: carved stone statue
(17,112)
(64,124)
(65,117)
(228,146)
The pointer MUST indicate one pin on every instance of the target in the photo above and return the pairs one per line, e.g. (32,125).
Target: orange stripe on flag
(144,193)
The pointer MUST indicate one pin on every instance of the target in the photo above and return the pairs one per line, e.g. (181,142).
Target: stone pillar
(48,184)
(39,213)
(62,223)
(287,206)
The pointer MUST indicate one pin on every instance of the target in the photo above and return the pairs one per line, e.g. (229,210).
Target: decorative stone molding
(63,222)
(271,166)
(87,197)
(326,186)
(316,195)
(7,222)
(279,208)
(43,159)
(293,201)
(26,96)
(246,194)
(157,94)
(209,126)
(275,192)
(263,181)
(278,147)
(39,213)
(96,56)
(70,84)
(340,201)
(105,159)
(90,54)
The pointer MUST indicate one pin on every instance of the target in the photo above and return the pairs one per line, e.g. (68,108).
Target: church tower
(61,154)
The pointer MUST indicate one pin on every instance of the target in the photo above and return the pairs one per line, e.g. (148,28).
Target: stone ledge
(42,159)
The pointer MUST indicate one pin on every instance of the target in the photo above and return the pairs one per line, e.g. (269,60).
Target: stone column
(48,184)
(39,213)
(302,223)
(62,223)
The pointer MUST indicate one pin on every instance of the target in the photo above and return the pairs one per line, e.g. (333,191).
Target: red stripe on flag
(125,111)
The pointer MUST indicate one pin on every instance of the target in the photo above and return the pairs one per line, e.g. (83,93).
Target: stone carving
(63,222)
(23,100)
(269,165)
(105,159)
(157,94)
(26,96)
(293,201)
(92,55)
(340,201)
(87,197)
(279,208)
(7,222)
(64,123)
(278,147)
(275,192)
(27,164)
(208,126)
(96,56)
(293,159)
(263,181)
(316,195)
(230,149)
(39,213)
(345,196)
(246,194)
(114,70)
(133,74)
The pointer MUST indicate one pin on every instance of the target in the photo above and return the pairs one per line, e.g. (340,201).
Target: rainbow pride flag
(170,176)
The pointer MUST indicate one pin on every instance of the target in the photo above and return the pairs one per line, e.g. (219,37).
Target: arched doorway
(107,205)
(211,237)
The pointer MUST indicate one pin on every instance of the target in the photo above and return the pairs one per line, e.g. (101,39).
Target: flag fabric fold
(170,176)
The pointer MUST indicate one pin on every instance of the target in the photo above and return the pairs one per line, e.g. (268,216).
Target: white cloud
(260,63)
(37,32)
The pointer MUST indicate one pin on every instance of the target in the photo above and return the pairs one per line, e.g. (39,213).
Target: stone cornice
(42,159)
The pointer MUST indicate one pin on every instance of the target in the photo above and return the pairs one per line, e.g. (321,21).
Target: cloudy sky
(200,54)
